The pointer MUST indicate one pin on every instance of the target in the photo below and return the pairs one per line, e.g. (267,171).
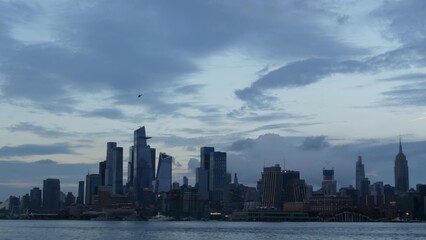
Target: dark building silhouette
(93,181)
(35,199)
(328,183)
(272,185)
(80,197)
(401,172)
(359,173)
(117,170)
(102,171)
(218,178)
(51,194)
(143,166)
(69,199)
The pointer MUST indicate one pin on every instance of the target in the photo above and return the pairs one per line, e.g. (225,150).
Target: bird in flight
(140,95)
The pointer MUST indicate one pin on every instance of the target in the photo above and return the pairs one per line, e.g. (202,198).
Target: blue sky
(313,83)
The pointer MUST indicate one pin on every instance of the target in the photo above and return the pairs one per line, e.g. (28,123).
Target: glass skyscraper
(163,181)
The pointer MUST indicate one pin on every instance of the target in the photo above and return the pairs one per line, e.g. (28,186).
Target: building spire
(400,145)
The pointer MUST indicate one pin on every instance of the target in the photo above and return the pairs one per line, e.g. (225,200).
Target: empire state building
(401,171)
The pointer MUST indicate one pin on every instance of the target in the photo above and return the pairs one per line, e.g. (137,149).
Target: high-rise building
(218,178)
(401,172)
(51,194)
(235,179)
(130,166)
(109,163)
(35,198)
(143,165)
(93,181)
(117,170)
(329,185)
(185,181)
(359,173)
(69,199)
(80,197)
(294,189)
(102,171)
(272,186)
(163,181)
(202,173)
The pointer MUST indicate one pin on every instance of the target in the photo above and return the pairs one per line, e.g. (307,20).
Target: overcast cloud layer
(297,80)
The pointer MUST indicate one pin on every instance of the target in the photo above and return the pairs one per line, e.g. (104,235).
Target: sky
(305,84)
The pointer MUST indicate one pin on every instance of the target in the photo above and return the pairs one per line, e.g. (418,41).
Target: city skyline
(308,84)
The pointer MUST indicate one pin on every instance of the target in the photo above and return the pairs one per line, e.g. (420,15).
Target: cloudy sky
(308,83)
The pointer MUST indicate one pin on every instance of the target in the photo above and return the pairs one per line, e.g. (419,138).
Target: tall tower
(143,164)
(109,168)
(359,173)
(202,174)
(117,170)
(328,183)
(163,182)
(217,176)
(51,194)
(401,172)
(272,180)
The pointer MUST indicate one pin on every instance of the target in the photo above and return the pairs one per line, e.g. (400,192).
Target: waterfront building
(272,185)
(109,164)
(163,181)
(218,178)
(117,170)
(359,173)
(51,194)
(80,197)
(401,172)
(329,185)
(93,181)
(143,166)
(35,199)
(102,171)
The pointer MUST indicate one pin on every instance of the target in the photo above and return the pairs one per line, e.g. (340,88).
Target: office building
(117,170)
(35,199)
(109,163)
(93,181)
(272,186)
(401,172)
(51,194)
(80,196)
(218,178)
(359,173)
(163,181)
(329,185)
(143,165)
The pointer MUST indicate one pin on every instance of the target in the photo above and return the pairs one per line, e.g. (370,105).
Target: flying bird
(140,95)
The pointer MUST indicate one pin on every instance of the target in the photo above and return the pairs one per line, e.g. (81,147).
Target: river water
(108,230)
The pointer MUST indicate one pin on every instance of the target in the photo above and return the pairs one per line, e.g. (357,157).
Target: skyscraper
(218,178)
(163,181)
(143,165)
(329,185)
(51,194)
(130,166)
(80,197)
(359,173)
(93,181)
(35,198)
(202,173)
(272,187)
(401,172)
(117,170)
(109,164)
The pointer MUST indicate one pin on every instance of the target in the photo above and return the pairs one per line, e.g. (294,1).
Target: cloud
(96,48)
(109,113)
(314,143)
(38,130)
(36,149)
(189,89)
(241,145)
(295,74)
(193,164)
